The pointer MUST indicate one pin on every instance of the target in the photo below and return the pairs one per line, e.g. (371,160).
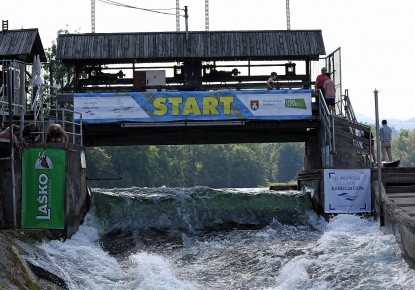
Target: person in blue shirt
(385,138)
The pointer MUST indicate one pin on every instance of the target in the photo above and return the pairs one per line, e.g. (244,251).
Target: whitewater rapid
(200,238)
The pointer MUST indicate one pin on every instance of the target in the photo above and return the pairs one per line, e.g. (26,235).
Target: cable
(110,2)
(117,177)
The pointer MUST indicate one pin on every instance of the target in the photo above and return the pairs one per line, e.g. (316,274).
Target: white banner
(117,107)
(193,106)
(347,191)
(294,104)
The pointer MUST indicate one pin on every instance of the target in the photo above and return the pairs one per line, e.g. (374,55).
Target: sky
(377,38)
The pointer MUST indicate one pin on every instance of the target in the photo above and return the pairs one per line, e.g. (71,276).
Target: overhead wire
(160,11)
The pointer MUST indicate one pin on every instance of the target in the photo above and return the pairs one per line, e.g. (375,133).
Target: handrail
(66,118)
(15,107)
(348,107)
(328,124)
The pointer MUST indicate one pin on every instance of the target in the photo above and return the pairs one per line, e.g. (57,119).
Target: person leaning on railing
(30,134)
(55,134)
(6,134)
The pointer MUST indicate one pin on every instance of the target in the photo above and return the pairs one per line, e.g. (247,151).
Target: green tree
(291,160)
(271,154)
(97,160)
(403,147)
(213,166)
(246,167)
(57,74)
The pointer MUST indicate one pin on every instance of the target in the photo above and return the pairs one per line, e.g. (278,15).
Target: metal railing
(17,109)
(344,111)
(328,131)
(70,121)
(348,109)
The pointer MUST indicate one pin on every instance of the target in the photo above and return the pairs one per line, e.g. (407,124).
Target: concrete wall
(312,158)
(312,183)
(76,192)
(398,223)
(6,197)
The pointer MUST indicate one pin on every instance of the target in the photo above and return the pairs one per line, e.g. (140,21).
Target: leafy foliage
(234,165)
(57,74)
(404,148)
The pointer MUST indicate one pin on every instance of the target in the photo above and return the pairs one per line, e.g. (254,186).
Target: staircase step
(401,194)
(400,188)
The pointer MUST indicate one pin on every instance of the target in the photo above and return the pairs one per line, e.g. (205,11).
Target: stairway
(348,149)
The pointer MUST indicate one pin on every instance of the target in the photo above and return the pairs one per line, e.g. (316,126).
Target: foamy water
(346,253)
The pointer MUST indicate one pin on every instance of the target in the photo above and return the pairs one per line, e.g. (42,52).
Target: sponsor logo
(42,198)
(43,162)
(254,104)
(347,196)
(295,103)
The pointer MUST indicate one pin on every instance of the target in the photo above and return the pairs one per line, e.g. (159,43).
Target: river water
(203,238)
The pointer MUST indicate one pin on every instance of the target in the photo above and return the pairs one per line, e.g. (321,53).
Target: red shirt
(320,81)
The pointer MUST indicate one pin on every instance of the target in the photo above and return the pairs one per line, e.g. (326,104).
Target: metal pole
(206,15)
(93,16)
(186,17)
(177,16)
(287,12)
(10,97)
(381,216)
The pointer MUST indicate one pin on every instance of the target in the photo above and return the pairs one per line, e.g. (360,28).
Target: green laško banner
(43,188)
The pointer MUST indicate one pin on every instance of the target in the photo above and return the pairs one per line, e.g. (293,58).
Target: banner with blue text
(43,188)
(347,191)
(193,106)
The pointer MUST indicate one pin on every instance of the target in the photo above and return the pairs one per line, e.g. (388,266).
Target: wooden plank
(277,44)
(351,146)
(397,178)
(344,122)
(404,201)
(351,137)
(403,194)
(399,189)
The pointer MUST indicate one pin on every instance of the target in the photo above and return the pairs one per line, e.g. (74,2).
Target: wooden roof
(148,47)
(22,44)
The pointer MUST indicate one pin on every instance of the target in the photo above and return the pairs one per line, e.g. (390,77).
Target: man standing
(329,92)
(320,80)
(385,138)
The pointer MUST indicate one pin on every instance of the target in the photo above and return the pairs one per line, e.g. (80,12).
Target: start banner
(43,188)
(193,106)
(347,191)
